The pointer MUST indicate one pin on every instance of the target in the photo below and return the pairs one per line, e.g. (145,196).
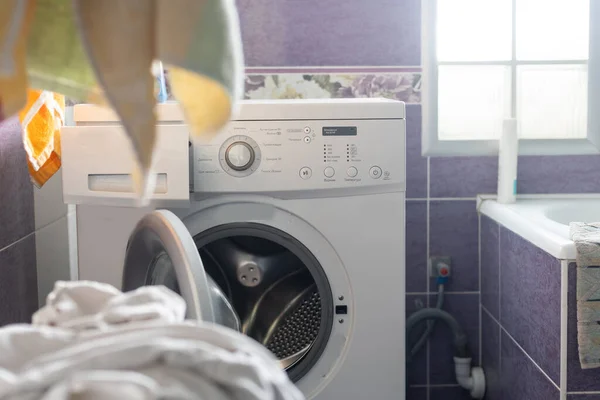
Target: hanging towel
(41,121)
(92,342)
(587,242)
(101,51)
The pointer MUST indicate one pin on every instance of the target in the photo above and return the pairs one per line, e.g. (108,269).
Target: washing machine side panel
(102,234)
(368,233)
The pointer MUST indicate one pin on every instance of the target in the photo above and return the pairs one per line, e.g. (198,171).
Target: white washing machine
(289,223)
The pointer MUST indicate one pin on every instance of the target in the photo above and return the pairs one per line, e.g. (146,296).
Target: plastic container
(507,162)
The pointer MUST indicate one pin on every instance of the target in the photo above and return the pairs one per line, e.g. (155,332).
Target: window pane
(552,29)
(472,101)
(474,30)
(552,101)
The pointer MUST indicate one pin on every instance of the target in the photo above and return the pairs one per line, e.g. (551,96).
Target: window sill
(539,147)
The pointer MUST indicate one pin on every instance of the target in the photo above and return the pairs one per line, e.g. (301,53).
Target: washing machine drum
(248,277)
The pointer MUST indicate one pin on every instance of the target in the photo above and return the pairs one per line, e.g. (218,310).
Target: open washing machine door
(274,289)
(161,251)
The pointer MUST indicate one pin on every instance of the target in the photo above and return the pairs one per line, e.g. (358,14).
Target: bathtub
(544,221)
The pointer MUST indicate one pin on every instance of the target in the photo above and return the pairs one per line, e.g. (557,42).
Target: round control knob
(239,156)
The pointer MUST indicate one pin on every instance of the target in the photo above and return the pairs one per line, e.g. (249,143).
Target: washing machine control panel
(271,156)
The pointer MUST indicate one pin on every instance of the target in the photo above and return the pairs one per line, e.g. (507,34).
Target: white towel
(111,345)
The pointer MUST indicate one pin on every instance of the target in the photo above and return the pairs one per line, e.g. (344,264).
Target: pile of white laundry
(92,342)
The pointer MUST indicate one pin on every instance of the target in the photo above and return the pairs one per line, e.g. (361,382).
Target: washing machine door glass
(277,287)
(160,251)
(250,277)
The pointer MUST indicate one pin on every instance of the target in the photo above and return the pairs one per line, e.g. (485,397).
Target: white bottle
(507,162)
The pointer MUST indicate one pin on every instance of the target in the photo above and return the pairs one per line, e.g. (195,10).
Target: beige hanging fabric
(101,51)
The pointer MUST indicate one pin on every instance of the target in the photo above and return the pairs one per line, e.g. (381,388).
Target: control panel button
(307,139)
(375,172)
(329,172)
(305,173)
(352,172)
(307,129)
(239,156)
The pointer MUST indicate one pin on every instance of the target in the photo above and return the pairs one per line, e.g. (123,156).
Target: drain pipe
(470,378)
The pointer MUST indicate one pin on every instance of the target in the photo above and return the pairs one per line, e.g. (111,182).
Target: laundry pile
(93,342)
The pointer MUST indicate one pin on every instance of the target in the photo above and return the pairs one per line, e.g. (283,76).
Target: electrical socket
(440,266)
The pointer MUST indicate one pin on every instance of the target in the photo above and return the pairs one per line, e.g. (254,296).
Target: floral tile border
(397,85)
(404,86)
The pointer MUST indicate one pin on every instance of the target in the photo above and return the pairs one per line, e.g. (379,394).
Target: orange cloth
(41,120)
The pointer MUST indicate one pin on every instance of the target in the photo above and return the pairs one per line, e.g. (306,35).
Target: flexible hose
(430,325)
(460,339)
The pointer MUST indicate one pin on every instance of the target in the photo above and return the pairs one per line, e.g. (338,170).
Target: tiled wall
(529,350)
(358,48)
(34,241)
(54,248)
(521,316)
(18,283)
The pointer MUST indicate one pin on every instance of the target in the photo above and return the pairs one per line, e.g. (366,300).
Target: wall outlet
(440,266)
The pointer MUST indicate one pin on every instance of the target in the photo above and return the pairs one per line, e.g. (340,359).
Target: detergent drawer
(98,162)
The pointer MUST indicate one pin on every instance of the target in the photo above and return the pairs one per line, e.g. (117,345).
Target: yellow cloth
(101,51)
(41,121)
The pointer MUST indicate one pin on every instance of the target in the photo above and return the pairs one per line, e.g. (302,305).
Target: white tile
(52,255)
(48,202)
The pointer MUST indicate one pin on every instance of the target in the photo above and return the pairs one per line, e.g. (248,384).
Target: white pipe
(472,379)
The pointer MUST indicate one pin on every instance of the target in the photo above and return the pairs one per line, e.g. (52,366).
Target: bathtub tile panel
(490,266)
(490,356)
(454,232)
(465,308)
(530,300)
(578,379)
(416,246)
(521,379)
(417,372)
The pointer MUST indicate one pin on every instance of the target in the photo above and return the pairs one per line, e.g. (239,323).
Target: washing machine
(287,226)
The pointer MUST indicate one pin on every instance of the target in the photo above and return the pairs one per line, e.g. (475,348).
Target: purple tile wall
(530,300)
(463,176)
(416,165)
(453,231)
(16,191)
(289,37)
(490,356)
(416,246)
(331,33)
(509,371)
(520,378)
(417,373)
(465,308)
(18,275)
(448,393)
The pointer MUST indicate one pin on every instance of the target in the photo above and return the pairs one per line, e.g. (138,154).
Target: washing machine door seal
(161,234)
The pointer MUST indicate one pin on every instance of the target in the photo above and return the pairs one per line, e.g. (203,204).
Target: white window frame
(433,146)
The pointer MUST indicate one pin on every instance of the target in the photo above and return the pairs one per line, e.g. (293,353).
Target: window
(534,60)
